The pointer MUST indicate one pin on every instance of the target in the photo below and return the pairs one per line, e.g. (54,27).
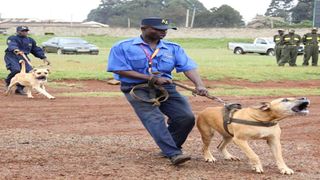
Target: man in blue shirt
(17,46)
(149,58)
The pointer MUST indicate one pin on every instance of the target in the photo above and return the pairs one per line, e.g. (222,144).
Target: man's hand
(161,81)
(201,91)
(18,52)
(46,61)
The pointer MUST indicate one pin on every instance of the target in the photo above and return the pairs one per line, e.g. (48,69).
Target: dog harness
(230,109)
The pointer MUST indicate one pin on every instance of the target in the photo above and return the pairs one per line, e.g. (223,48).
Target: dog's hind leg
(206,135)
(253,157)
(275,145)
(11,85)
(223,148)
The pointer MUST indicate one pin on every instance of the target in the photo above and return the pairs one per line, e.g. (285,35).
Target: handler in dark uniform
(291,43)
(277,39)
(311,48)
(17,46)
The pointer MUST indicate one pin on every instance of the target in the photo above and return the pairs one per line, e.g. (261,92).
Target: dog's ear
(264,106)
(48,70)
(34,69)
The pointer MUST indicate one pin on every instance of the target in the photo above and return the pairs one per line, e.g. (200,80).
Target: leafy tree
(224,16)
(280,8)
(116,12)
(302,11)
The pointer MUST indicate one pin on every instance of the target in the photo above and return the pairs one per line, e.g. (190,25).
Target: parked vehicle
(66,45)
(263,46)
(3,31)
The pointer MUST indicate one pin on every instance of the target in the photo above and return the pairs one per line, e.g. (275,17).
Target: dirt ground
(101,138)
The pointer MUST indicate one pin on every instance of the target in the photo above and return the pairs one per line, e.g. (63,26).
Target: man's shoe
(179,159)
(20,92)
(161,155)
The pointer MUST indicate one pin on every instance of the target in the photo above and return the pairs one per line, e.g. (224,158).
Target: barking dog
(33,80)
(211,119)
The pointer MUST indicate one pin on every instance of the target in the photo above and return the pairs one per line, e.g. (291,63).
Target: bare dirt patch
(101,138)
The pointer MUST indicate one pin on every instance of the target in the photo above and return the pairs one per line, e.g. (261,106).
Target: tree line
(121,13)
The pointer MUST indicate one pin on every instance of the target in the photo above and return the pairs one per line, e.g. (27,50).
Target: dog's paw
(210,159)
(286,170)
(30,97)
(231,158)
(52,98)
(257,168)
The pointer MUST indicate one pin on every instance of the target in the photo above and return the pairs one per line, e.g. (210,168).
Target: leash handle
(194,91)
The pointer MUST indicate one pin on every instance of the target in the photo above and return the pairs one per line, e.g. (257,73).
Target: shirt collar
(139,40)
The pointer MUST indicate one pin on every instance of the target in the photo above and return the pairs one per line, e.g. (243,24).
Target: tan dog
(33,80)
(211,119)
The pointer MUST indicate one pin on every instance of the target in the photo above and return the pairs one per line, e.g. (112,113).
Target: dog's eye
(285,100)
(38,73)
(45,73)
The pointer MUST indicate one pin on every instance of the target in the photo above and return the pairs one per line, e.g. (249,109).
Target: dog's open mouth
(301,108)
(42,78)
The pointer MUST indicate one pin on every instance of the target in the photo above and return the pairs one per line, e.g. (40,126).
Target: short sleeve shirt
(132,55)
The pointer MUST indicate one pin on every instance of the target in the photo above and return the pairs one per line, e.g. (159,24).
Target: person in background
(311,47)
(291,43)
(279,44)
(18,45)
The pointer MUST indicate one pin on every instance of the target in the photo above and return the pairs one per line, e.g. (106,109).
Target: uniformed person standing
(150,58)
(311,48)
(279,44)
(291,43)
(17,46)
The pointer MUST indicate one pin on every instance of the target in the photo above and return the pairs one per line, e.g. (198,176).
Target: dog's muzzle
(301,108)
(42,78)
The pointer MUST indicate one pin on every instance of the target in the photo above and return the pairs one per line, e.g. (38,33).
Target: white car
(260,45)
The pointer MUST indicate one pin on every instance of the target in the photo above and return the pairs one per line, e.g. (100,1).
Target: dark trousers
(171,136)
(289,55)
(311,51)
(13,65)
(278,49)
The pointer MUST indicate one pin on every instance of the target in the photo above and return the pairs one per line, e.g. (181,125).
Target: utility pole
(314,13)
(129,23)
(193,15)
(187,18)
(71,20)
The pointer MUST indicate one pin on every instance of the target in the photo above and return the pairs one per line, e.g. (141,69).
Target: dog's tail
(23,66)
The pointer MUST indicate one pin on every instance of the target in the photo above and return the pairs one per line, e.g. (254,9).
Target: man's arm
(38,52)
(195,78)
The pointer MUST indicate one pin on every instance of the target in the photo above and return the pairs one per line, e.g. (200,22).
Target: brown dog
(211,119)
(33,80)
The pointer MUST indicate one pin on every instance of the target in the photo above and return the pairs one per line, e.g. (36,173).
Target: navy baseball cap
(157,23)
(22,28)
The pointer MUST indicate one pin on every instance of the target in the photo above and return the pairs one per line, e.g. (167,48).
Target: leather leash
(194,92)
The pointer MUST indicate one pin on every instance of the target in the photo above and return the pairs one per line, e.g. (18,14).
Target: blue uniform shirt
(128,55)
(25,44)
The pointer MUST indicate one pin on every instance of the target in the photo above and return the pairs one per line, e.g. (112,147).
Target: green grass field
(215,62)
